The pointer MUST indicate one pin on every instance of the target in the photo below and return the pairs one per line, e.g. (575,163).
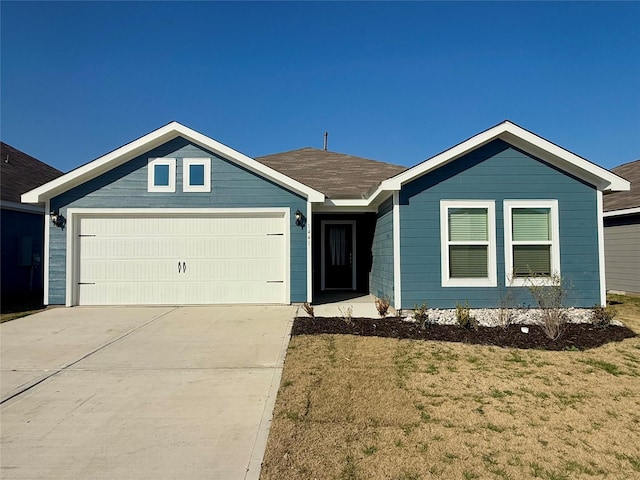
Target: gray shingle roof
(623,200)
(337,175)
(20,173)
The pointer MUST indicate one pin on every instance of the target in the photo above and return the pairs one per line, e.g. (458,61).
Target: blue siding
(22,266)
(497,172)
(381,283)
(126,187)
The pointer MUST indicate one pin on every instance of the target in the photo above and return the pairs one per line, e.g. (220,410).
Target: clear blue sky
(397,82)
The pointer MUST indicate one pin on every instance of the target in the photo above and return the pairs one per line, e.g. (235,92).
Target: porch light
(57,219)
(301,221)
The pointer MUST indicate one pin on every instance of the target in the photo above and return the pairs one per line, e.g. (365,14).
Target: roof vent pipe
(326,140)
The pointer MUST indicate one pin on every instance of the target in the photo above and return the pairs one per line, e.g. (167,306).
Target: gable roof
(524,140)
(621,203)
(337,175)
(345,179)
(148,142)
(20,172)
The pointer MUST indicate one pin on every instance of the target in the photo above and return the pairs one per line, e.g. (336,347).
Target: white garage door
(181,260)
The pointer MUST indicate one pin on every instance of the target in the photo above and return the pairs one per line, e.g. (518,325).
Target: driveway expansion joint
(28,386)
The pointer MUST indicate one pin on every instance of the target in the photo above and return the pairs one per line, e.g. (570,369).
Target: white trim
(626,211)
(323,224)
(329,207)
(73,259)
(601,263)
(397,273)
(286,231)
(552,205)
(491,279)
(150,141)
(45,260)
(309,253)
(525,140)
(186,177)
(22,207)
(151,175)
(73,214)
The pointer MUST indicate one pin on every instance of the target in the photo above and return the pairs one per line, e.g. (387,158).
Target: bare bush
(550,293)
(602,316)
(309,309)
(421,315)
(382,305)
(346,314)
(507,305)
(464,317)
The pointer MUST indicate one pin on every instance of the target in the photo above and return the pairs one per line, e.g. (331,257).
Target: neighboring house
(22,225)
(622,233)
(176,217)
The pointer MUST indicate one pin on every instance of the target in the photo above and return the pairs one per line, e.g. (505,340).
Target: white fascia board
(525,140)
(152,140)
(249,163)
(100,165)
(564,159)
(395,183)
(369,204)
(626,211)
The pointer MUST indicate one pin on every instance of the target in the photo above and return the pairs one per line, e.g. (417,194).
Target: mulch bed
(580,336)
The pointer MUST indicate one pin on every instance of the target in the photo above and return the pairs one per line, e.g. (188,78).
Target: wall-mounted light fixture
(301,221)
(57,219)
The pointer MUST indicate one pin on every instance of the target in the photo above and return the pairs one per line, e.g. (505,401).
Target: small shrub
(464,317)
(550,295)
(508,305)
(421,315)
(309,309)
(382,305)
(347,314)
(602,316)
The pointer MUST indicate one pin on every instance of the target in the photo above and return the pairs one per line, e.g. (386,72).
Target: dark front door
(338,256)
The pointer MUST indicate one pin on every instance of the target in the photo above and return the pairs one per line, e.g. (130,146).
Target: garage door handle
(182,267)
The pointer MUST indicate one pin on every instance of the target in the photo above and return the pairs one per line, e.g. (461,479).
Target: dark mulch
(574,336)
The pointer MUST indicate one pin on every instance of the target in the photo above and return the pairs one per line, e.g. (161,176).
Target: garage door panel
(228,259)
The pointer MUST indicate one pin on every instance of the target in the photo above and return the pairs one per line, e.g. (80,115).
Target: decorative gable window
(468,243)
(196,175)
(532,249)
(161,175)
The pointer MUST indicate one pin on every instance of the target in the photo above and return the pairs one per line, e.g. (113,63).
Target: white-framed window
(196,175)
(468,243)
(532,241)
(161,175)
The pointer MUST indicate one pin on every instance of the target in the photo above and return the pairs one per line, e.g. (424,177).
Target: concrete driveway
(157,392)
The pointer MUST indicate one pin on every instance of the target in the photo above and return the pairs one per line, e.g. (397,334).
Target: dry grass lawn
(378,408)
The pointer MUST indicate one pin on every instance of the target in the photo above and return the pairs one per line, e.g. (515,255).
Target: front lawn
(354,407)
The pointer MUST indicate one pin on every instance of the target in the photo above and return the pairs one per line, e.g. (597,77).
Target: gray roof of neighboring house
(20,173)
(337,175)
(623,200)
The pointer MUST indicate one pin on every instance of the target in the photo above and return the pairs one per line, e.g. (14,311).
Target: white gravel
(490,317)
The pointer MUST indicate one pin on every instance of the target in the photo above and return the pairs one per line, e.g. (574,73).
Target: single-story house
(176,217)
(22,226)
(622,233)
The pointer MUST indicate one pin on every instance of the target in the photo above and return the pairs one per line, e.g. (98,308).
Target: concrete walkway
(337,305)
(134,393)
